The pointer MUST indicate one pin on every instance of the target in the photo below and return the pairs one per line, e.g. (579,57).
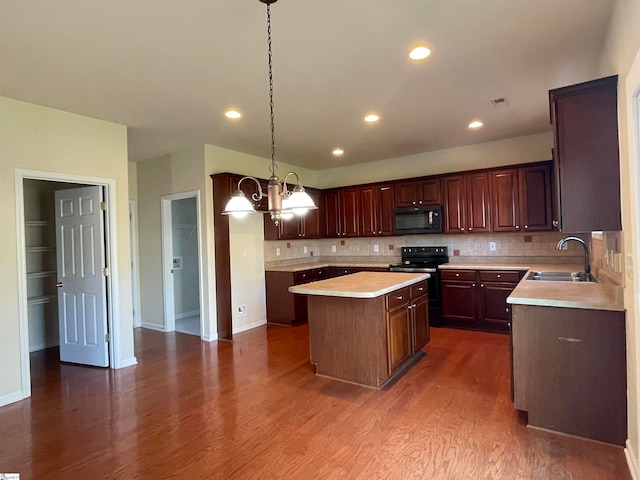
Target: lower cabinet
(407,322)
(569,370)
(477,299)
(283,307)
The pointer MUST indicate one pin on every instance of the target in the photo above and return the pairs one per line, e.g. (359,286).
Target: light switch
(277,251)
(305,250)
(492,246)
(375,248)
(333,248)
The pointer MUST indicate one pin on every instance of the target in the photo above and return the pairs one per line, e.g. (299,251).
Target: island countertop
(360,285)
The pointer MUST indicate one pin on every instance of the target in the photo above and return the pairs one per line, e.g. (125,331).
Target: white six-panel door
(81,282)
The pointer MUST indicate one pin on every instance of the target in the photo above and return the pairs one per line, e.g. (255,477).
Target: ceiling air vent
(500,102)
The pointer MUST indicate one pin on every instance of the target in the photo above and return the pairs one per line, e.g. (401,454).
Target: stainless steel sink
(562,277)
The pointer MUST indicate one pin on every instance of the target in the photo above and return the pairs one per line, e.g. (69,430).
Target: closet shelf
(38,223)
(41,299)
(40,249)
(43,274)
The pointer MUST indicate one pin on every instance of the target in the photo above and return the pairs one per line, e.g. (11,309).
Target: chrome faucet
(560,246)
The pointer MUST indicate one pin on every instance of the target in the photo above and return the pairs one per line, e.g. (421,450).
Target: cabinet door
(367,214)
(505,200)
(455,200)
(478,202)
(349,212)
(331,213)
(535,197)
(420,314)
(398,337)
(459,303)
(428,191)
(405,194)
(585,124)
(495,308)
(290,229)
(310,223)
(386,209)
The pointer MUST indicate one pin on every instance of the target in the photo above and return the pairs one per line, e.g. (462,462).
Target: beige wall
(43,139)
(531,148)
(621,56)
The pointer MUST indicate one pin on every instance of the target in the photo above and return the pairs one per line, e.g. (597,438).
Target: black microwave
(416,220)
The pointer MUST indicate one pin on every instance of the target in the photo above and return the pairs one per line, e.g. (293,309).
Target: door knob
(59,284)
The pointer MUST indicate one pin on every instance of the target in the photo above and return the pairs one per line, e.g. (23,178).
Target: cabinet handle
(379,232)
(413,203)
(457,274)
(420,289)
(473,285)
(482,284)
(526,226)
(499,276)
(517,227)
(556,223)
(462,229)
(507,309)
(470,228)
(410,307)
(420,202)
(399,297)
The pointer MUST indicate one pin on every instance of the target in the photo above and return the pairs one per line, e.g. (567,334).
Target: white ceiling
(169,68)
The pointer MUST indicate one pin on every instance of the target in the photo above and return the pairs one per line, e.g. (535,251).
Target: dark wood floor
(253,409)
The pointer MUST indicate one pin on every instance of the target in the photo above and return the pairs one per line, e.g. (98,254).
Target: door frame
(167,258)
(111,247)
(135,262)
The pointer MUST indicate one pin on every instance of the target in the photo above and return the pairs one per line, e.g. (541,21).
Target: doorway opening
(181,263)
(39,269)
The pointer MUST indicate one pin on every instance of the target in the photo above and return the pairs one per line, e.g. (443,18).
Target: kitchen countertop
(298,267)
(585,295)
(360,285)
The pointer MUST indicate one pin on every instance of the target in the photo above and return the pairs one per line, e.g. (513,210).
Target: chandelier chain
(273,168)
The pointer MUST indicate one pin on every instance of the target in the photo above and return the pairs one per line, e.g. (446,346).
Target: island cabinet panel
(569,370)
(585,127)
(415,193)
(399,336)
(420,312)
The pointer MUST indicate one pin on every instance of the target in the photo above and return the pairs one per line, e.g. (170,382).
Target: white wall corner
(632,460)
(153,326)
(11,398)
(210,338)
(127,362)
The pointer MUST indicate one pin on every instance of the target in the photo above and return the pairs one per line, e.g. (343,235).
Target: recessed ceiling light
(419,53)
(338,152)
(372,117)
(233,114)
(476,124)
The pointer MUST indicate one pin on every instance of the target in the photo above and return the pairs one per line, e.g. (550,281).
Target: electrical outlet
(375,248)
(492,246)
(241,310)
(305,250)
(277,251)
(333,248)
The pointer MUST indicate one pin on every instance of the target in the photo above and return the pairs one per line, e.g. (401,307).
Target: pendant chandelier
(282,203)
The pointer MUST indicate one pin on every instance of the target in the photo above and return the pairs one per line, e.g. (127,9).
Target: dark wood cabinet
(466,203)
(298,227)
(585,127)
(414,193)
(340,216)
(521,199)
(330,213)
(407,321)
(569,370)
(477,299)
(377,210)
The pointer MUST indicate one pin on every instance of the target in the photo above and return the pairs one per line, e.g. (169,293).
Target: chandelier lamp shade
(282,202)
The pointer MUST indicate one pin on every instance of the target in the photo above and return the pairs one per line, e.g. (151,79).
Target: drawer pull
(499,275)
(569,339)
(457,274)
(399,297)
(420,289)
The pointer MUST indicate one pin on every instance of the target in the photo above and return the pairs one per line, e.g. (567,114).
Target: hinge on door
(103,206)
(105,271)
(107,337)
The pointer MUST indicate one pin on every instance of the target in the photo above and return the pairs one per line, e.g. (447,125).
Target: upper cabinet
(306,226)
(466,203)
(340,212)
(521,198)
(585,127)
(377,210)
(414,193)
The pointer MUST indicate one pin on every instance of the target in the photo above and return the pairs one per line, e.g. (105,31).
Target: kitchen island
(367,328)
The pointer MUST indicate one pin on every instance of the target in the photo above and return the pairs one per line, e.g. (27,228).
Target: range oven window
(419,220)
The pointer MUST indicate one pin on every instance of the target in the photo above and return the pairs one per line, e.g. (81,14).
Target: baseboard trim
(128,362)
(153,326)
(632,461)
(11,398)
(249,326)
(42,346)
(210,338)
(192,313)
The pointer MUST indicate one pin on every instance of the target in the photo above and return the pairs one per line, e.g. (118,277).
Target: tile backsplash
(509,248)
(607,256)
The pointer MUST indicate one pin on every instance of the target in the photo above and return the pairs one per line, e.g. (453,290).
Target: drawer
(304,276)
(319,274)
(418,289)
(398,297)
(458,275)
(499,276)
